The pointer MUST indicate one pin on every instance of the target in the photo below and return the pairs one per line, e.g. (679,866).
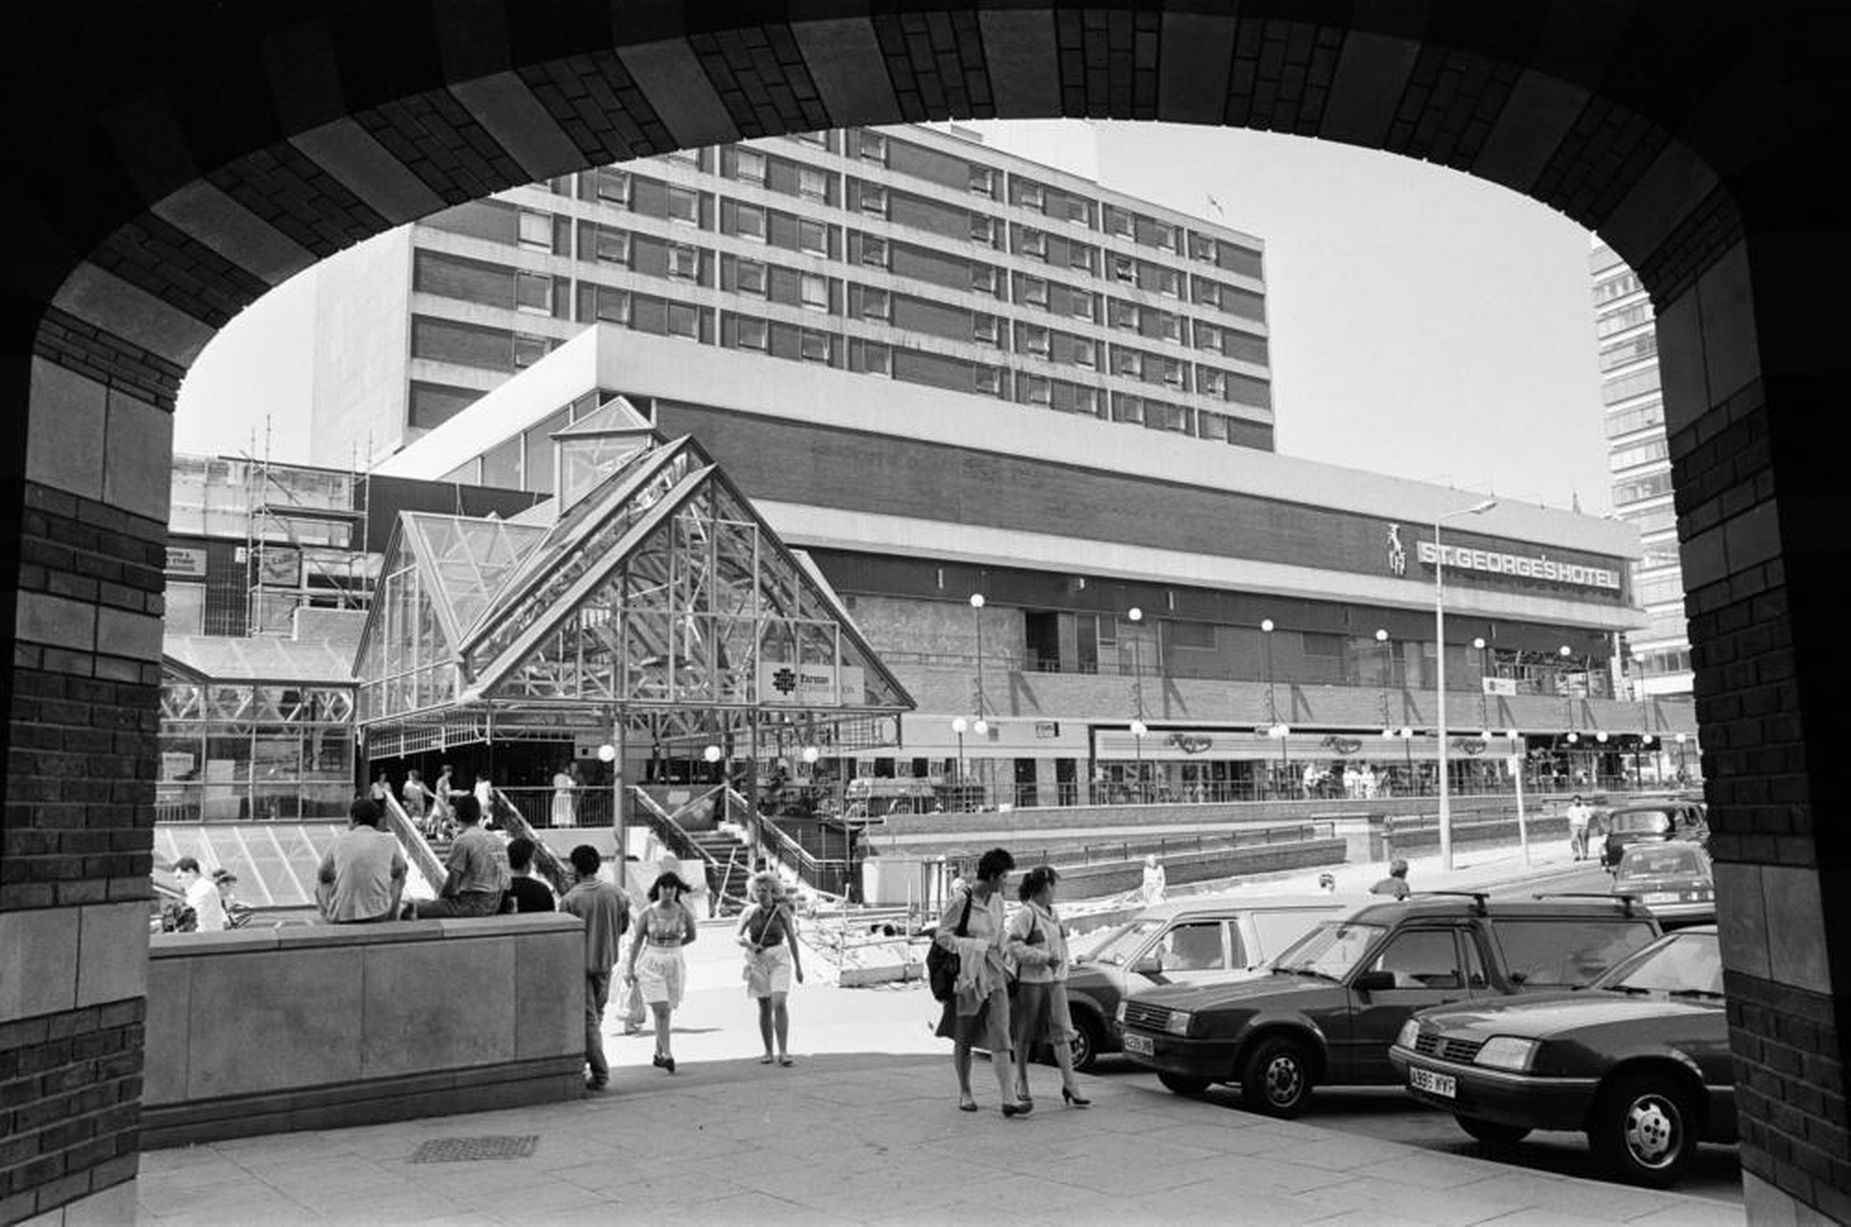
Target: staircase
(729,868)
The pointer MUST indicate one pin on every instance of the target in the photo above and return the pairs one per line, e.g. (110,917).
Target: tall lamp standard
(1568,706)
(1439,673)
(1266,636)
(980,726)
(1138,727)
(1381,637)
(1517,756)
(958,726)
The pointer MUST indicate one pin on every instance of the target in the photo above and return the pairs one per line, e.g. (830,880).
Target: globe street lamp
(1138,731)
(1439,656)
(1138,727)
(1266,636)
(1381,637)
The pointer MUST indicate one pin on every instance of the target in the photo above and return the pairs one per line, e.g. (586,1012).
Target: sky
(1423,323)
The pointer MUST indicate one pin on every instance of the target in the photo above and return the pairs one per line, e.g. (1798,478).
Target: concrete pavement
(864,1129)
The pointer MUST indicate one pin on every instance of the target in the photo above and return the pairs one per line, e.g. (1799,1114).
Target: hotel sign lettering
(1523,566)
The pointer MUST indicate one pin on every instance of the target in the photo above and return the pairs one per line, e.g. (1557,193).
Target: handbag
(1015,976)
(942,965)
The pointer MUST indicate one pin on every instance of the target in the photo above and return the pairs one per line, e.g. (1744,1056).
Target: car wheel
(1085,1042)
(1642,1130)
(1277,1080)
(1182,1084)
(1491,1133)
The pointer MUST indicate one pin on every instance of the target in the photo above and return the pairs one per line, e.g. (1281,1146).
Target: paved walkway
(864,1129)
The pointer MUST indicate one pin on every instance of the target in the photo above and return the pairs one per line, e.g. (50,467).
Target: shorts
(768,972)
(661,974)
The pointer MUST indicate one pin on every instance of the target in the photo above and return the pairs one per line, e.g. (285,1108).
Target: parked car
(1208,939)
(1639,1061)
(1330,1006)
(1650,822)
(1673,879)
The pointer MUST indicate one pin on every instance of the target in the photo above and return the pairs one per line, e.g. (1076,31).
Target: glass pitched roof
(466,562)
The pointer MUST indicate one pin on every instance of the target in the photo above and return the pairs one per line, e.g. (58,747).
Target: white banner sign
(1520,565)
(1500,685)
(809,685)
(183,560)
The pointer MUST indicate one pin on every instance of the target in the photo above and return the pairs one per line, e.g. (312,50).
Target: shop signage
(1047,729)
(1341,745)
(808,685)
(183,561)
(1523,566)
(1191,745)
(1500,685)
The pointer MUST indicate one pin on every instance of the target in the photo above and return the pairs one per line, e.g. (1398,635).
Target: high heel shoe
(1073,1100)
(657,1060)
(668,1063)
(1018,1109)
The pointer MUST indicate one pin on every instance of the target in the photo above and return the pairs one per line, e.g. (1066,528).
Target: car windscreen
(1662,861)
(1123,945)
(1329,950)
(1632,822)
(1278,930)
(1566,951)
(1686,962)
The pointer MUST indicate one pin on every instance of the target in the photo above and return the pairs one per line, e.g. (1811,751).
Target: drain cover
(469,1150)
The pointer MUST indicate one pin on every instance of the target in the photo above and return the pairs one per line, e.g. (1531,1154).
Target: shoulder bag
(942,965)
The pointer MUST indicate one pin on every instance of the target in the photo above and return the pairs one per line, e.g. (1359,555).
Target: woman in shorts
(769,933)
(656,964)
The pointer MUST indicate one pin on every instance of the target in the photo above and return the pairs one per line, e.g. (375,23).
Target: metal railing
(562,808)
(417,848)
(1388,786)
(510,818)
(1112,851)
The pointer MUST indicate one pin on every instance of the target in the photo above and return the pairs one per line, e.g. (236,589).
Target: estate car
(1329,1007)
(1673,879)
(1649,822)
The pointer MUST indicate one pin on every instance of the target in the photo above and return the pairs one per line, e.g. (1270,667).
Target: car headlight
(1178,1023)
(1410,1032)
(1507,1052)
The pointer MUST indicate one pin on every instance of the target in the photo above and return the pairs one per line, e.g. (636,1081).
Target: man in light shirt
(362,877)
(202,895)
(1579,815)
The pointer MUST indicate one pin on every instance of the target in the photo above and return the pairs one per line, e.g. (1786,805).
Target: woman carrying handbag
(976,1014)
(769,934)
(1037,942)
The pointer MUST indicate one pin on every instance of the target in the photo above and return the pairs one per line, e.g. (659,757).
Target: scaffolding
(304,542)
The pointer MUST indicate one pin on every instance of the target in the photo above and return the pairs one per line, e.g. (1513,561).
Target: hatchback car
(1674,880)
(1200,940)
(1639,1061)
(1654,822)
(1331,1005)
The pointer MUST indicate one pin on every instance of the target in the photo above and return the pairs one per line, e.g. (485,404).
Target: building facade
(1658,657)
(906,255)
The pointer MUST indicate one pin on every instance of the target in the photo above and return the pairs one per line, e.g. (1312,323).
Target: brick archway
(175,163)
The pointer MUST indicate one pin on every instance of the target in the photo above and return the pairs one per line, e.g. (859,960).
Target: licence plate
(1661,896)
(1443,1085)
(1139,1044)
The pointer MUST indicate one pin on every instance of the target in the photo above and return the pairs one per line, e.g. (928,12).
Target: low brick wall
(313,1027)
(1408,839)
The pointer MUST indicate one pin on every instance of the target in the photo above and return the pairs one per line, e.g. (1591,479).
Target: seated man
(478,870)
(526,893)
(362,876)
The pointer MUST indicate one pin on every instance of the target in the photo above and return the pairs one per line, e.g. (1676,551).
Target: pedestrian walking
(977,1014)
(656,963)
(1396,883)
(606,912)
(416,798)
(443,803)
(563,810)
(768,931)
(382,790)
(1156,881)
(1579,815)
(1037,942)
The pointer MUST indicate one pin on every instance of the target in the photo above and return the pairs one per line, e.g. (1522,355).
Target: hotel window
(983,278)
(878,359)
(1173,373)
(812,184)
(1213,382)
(684,262)
(1211,426)
(1081,306)
(1030,197)
(612,247)
(751,278)
(1201,247)
(1166,237)
(1125,269)
(533,293)
(1035,390)
(687,157)
(1118,222)
(983,181)
(528,349)
(983,328)
(1086,400)
(684,321)
(613,186)
(815,292)
(1169,327)
(1121,314)
(873,147)
(983,229)
(1078,211)
(990,380)
(1079,256)
(1035,291)
(1208,292)
(874,251)
(1084,355)
(1166,417)
(1035,341)
(813,346)
(1169,283)
(535,231)
(1127,409)
(752,166)
(819,139)
(813,237)
(749,222)
(875,304)
(874,199)
(752,333)
(611,306)
(1034,243)
(1128,362)
(684,206)
(1207,336)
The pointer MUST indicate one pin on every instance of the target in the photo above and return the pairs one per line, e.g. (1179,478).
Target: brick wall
(70,1088)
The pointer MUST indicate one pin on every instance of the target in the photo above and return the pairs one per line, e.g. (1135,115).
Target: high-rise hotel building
(1638,455)
(908,254)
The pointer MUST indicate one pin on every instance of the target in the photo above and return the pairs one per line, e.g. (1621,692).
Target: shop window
(751,167)
(813,237)
(533,293)
(874,251)
(812,184)
(612,186)
(814,292)
(534,231)
(872,147)
(749,222)
(751,277)
(752,333)
(684,206)
(684,321)
(528,349)
(684,262)
(813,346)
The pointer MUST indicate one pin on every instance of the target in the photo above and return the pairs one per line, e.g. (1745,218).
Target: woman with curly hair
(656,965)
(977,1013)
(768,931)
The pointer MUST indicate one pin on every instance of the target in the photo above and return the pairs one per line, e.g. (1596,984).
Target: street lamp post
(1266,637)
(1138,727)
(958,726)
(1439,674)
(1381,637)
(979,726)
(1517,758)
(1484,699)
(1138,730)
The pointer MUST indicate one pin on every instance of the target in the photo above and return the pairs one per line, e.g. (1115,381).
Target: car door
(1428,969)
(1192,951)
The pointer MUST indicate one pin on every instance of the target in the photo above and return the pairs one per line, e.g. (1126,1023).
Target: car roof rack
(1477,897)
(1624,897)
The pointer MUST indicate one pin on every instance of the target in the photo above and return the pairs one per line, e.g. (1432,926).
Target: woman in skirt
(977,1015)
(1038,943)
(656,965)
(769,933)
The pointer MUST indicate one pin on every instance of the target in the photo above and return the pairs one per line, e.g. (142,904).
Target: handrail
(545,860)
(668,830)
(417,848)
